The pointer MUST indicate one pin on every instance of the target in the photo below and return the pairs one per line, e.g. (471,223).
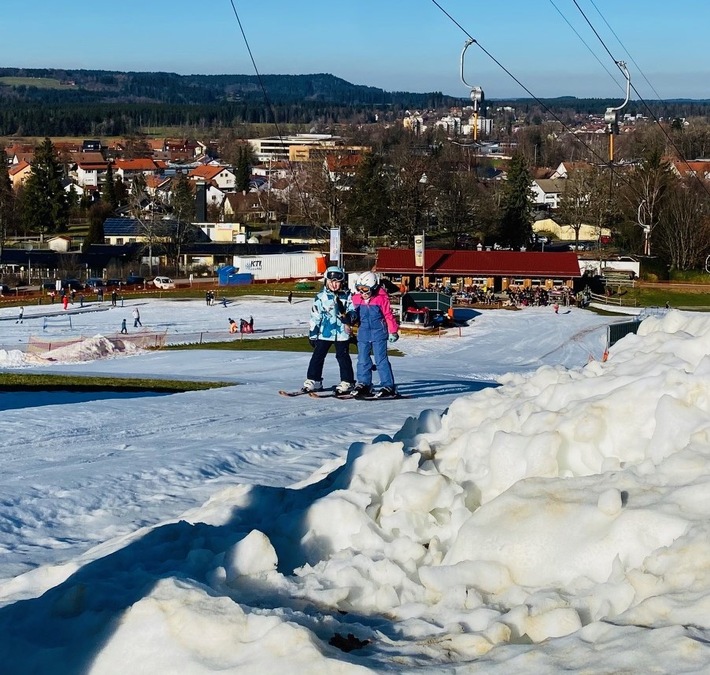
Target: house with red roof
(699,168)
(341,168)
(89,168)
(126,169)
(19,173)
(184,149)
(221,176)
(495,269)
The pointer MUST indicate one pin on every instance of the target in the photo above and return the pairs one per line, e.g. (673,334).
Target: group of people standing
(334,313)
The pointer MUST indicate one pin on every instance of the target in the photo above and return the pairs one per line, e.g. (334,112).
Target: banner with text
(419,250)
(335,244)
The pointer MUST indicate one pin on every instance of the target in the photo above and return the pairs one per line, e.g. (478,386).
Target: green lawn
(658,296)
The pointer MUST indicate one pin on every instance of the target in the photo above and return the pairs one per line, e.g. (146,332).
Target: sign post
(419,242)
(335,254)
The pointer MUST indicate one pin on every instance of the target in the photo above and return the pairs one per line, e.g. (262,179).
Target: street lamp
(420,240)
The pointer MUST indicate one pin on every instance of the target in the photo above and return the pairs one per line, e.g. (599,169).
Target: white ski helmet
(334,273)
(366,282)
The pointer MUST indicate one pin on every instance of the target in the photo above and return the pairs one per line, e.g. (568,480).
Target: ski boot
(361,390)
(312,385)
(343,388)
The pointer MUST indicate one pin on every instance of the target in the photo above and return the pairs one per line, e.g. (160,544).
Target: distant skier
(137,318)
(123,326)
(21,315)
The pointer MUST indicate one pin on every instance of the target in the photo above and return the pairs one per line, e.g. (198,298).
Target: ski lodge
(497,270)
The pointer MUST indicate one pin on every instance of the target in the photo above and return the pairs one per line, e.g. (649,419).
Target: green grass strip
(41,382)
(277,344)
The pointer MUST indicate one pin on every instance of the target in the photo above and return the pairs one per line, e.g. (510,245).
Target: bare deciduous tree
(683,233)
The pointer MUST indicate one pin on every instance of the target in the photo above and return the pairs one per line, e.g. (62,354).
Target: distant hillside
(54,102)
(101,86)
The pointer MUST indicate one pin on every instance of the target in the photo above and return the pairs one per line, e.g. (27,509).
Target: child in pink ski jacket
(377,327)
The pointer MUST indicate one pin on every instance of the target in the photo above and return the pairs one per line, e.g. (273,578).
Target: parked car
(72,284)
(114,283)
(134,280)
(4,289)
(95,282)
(164,282)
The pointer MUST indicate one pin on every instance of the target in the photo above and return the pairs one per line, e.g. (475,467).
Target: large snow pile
(561,520)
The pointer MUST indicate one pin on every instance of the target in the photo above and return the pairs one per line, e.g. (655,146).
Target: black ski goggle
(335,275)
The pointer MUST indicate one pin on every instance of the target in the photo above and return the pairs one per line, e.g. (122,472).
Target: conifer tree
(242,170)
(182,230)
(516,219)
(108,194)
(7,202)
(45,207)
(368,208)
(97,215)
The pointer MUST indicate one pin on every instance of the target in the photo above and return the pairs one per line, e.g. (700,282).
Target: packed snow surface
(531,508)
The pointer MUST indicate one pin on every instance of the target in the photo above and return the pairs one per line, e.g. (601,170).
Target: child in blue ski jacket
(329,324)
(377,327)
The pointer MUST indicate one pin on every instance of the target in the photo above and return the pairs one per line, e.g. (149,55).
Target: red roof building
(498,268)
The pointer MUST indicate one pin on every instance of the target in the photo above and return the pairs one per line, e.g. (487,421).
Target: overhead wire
(272,109)
(631,58)
(582,40)
(610,163)
(550,112)
(643,101)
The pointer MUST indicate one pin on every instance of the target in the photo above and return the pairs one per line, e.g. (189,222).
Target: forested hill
(101,86)
(54,102)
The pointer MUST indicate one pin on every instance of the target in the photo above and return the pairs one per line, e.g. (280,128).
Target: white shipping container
(279,266)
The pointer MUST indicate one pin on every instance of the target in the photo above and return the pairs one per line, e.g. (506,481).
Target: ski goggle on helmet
(334,274)
(366,283)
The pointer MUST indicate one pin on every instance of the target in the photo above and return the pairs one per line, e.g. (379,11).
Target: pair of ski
(331,394)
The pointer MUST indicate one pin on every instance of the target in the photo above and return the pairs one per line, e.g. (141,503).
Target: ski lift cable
(550,112)
(643,101)
(621,44)
(582,40)
(271,107)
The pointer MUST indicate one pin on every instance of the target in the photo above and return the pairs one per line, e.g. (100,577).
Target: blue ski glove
(393,337)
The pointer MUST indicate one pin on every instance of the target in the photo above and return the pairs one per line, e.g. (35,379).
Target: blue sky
(394,44)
